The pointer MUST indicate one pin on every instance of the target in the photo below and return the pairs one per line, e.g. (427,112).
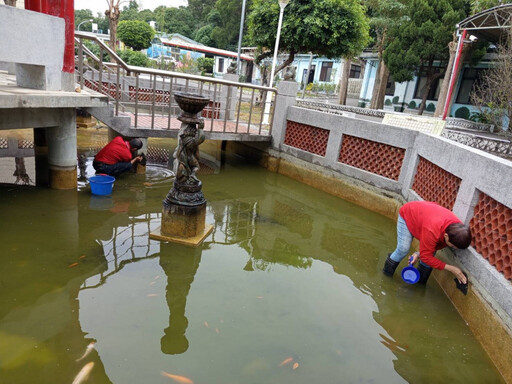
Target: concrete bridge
(40,89)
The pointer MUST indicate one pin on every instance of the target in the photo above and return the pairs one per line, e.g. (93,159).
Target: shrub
(431,107)
(412,104)
(387,102)
(395,100)
(133,58)
(462,113)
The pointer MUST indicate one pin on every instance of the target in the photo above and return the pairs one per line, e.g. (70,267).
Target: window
(470,78)
(325,72)
(220,67)
(355,71)
(433,94)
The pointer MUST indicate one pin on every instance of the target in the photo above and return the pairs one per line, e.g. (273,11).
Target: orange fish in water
(206,324)
(148,184)
(152,295)
(84,373)
(82,257)
(217,330)
(295,365)
(178,379)
(88,350)
(72,265)
(288,360)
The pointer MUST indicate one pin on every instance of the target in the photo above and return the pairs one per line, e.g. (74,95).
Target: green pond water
(288,272)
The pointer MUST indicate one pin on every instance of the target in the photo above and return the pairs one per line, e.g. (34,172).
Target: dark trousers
(111,169)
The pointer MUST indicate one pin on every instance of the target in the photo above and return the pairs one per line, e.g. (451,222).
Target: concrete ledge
(188,241)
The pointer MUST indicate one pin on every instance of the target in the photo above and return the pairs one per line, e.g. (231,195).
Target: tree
(179,20)
(421,39)
(493,94)
(203,35)
(226,20)
(383,13)
(200,10)
(82,15)
(331,28)
(112,14)
(136,34)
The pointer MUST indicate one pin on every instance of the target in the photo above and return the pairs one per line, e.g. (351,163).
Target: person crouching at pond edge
(435,227)
(118,156)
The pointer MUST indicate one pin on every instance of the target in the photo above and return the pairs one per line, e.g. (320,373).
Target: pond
(288,288)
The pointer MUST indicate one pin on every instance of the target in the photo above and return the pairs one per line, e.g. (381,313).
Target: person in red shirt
(435,227)
(118,156)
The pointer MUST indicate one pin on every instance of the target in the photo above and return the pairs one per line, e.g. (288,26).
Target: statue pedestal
(183,224)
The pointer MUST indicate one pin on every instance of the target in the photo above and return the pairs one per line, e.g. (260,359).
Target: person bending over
(118,156)
(435,227)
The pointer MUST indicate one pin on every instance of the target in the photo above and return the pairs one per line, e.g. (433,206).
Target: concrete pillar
(286,96)
(229,97)
(41,157)
(62,152)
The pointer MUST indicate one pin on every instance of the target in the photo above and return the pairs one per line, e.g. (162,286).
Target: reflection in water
(289,271)
(180,268)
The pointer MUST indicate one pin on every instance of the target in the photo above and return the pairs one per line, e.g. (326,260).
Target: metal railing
(146,95)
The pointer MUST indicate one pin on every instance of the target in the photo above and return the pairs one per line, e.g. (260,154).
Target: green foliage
(225,19)
(331,28)
(179,20)
(204,35)
(205,64)
(133,57)
(412,104)
(431,107)
(135,34)
(387,102)
(200,10)
(482,5)
(422,36)
(395,100)
(82,15)
(462,113)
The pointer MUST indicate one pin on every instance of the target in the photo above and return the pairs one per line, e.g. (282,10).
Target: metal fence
(146,95)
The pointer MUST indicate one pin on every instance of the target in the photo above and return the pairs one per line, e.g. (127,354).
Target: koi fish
(148,184)
(152,295)
(152,283)
(82,257)
(72,265)
(288,360)
(295,366)
(217,330)
(178,379)
(84,373)
(206,324)
(88,350)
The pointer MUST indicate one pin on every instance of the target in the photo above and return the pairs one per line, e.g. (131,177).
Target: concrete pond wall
(381,167)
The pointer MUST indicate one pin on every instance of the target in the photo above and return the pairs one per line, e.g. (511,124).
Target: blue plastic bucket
(101,184)
(410,275)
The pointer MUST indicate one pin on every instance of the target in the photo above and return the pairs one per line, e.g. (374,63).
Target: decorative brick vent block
(433,183)
(25,144)
(108,88)
(4,143)
(381,159)
(491,227)
(306,137)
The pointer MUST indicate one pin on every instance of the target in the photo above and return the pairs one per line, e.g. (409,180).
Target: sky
(101,5)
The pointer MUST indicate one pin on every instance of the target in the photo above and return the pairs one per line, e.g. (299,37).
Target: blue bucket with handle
(101,185)
(410,274)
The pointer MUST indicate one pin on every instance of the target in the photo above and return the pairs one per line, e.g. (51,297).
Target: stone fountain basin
(191,102)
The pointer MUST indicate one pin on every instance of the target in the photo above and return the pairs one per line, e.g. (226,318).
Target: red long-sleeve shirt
(427,222)
(116,151)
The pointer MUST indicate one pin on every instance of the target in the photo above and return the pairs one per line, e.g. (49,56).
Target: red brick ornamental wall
(491,227)
(381,159)
(433,183)
(306,137)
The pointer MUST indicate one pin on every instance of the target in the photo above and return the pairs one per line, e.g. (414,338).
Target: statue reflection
(180,265)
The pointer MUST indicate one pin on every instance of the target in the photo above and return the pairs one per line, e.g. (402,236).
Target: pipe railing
(146,94)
